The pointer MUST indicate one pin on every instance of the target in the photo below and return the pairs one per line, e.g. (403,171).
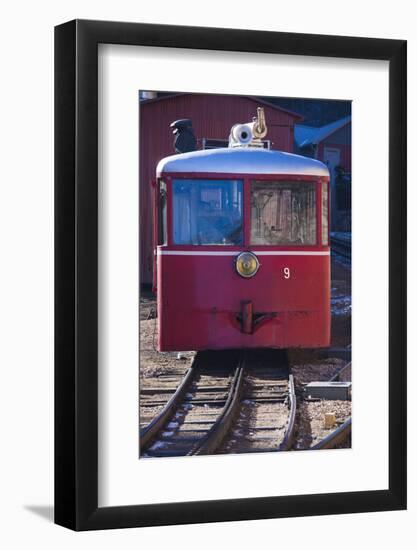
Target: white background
(26,401)
(122,478)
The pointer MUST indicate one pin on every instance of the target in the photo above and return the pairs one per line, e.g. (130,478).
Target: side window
(324,213)
(162,213)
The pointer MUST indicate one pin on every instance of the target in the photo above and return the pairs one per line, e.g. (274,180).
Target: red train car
(242,248)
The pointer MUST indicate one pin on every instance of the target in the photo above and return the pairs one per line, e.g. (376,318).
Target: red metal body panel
(155,192)
(213,116)
(201,298)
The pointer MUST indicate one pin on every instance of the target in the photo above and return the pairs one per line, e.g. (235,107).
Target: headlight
(247,264)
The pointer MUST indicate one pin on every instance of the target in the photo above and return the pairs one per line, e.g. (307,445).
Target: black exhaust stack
(185,140)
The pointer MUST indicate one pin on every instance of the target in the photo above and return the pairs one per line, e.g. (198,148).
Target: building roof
(251,98)
(241,160)
(309,135)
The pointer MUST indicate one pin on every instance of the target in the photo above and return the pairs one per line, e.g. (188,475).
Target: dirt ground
(310,421)
(152,362)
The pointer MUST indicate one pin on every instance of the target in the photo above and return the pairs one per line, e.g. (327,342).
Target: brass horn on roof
(259,128)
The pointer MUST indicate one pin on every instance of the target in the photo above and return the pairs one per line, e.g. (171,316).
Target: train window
(283,213)
(162,214)
(324,214)
(207,212)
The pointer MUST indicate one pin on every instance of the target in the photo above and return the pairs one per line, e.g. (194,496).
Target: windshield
(207,212)
(283,213)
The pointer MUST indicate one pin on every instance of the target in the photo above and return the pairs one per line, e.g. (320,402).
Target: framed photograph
(230,338)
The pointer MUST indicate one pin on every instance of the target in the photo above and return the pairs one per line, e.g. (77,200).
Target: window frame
(162,217)
(246,179)
(323,183)
(316,181)
(201,177)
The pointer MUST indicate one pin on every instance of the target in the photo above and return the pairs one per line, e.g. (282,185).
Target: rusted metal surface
(192,411)
(264,411)
(224,422)
(287,442)
(247,317)
(149,433)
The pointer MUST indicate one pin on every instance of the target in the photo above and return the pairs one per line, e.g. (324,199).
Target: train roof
(241,160)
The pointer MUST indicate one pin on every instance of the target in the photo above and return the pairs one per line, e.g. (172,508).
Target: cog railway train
(242,256)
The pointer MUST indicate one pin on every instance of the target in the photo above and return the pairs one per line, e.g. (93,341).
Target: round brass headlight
(247,264)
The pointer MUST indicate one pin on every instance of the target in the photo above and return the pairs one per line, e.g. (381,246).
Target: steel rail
(288,440)
(222,425)
(340,247)
(149,432)
(336,437)
(336,376)
(214,438)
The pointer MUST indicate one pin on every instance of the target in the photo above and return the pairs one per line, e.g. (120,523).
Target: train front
(242,255)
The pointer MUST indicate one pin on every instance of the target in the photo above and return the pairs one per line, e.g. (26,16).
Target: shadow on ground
(45,512)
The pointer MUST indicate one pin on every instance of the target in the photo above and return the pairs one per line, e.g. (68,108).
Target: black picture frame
(76,271)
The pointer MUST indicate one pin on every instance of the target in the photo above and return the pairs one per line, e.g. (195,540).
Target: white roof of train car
(241,160)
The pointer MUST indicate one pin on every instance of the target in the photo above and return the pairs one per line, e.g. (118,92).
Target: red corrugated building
(332,144)
(212,118)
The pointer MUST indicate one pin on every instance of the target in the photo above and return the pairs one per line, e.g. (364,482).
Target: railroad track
(265,421)
(227,402)
(341,246)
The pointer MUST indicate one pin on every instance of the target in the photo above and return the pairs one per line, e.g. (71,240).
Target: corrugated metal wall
(212,117)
